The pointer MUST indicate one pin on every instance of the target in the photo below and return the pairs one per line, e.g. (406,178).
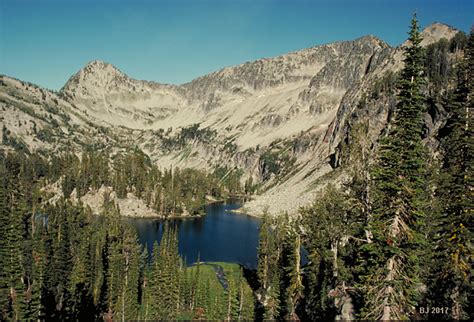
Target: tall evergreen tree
(4,255)
(264,251)
(195,285)
(294,291)
(14,265)
(269,269)
(393,277)
(232,305)
(131,266)
(36,305)
(246,300)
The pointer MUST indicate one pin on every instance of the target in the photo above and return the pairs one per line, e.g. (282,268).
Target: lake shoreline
(164,217)
(209,201)
(243,211)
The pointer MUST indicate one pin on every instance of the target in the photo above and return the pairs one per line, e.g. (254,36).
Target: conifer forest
(393,240)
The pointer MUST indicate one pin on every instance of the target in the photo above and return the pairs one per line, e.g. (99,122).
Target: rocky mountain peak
(436,31)
(95,75)
(95,66)
(439,28)
(372,40)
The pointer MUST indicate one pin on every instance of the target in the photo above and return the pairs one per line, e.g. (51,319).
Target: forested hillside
(60,261)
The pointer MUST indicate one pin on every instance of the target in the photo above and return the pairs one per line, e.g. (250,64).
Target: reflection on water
(218,236)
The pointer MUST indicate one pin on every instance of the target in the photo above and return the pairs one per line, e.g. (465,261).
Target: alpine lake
(218,236)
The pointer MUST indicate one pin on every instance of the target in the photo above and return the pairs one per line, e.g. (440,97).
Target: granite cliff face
(284,121)
(377,105)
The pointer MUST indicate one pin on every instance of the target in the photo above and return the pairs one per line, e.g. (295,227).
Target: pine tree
(393,278)
(131,262)
(185,287)
(195,285)
(263,251)
(169,281)
(232,305)
(115,273)
(82,270)
(14,266)
(269,268)
(36,305)
(98,243)
(207,301)
(162,304)
(272,298)
(4,254)
(146,298)
(245,300)
(294,291)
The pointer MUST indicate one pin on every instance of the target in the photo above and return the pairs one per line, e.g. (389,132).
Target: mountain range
(289,122)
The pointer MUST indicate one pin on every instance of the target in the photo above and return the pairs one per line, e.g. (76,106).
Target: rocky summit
(286,122)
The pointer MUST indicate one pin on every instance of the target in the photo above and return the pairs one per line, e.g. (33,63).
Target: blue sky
(174,41)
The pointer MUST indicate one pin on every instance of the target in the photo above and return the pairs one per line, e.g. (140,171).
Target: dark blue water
(218,236)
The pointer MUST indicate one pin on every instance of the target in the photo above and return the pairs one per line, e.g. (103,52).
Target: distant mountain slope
(35,119)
